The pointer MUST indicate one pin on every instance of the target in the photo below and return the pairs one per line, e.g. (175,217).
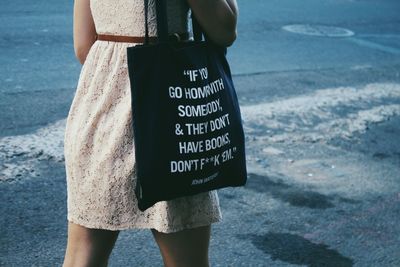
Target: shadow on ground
(295,249)
(288,193)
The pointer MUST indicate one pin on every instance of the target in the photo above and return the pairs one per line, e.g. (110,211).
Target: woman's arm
(218,18)
(84,29)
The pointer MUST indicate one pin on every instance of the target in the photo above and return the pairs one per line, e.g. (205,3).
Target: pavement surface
(319,88)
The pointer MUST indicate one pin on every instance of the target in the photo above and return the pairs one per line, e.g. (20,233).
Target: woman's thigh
(88,247)
(184,248)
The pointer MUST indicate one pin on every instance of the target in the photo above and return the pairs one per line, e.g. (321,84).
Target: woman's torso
(126,17)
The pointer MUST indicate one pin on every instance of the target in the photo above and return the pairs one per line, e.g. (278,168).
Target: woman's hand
(84,29)
(218,18)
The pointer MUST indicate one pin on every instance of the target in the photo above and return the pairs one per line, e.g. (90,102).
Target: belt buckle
(175,37)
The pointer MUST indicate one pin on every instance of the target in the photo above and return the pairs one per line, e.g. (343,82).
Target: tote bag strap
(197,31)
(146,27)
(162,23)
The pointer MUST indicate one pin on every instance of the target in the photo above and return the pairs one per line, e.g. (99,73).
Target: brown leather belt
(140,39)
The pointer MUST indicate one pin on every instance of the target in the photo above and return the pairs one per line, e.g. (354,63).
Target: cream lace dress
(98,141)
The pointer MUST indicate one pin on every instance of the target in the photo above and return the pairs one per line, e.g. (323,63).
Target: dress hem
(129,226)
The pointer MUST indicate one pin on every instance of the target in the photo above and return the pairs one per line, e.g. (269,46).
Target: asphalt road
(322,122)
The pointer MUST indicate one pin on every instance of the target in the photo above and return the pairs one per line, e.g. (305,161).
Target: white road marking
(45,143)
(374,45)
(303,118)
(323,114)
(318,30)
(379,35)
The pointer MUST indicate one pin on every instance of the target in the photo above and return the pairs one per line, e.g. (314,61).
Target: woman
(98,141)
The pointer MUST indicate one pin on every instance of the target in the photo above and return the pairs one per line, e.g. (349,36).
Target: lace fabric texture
(126,17)
(98,140)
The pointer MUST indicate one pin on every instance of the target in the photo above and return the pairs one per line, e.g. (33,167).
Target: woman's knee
(184,248)
(88,247)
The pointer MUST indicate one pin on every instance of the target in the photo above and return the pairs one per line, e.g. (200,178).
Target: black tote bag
(188,133)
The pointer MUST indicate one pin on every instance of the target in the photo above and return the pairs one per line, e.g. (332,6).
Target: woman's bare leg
(88,247)
(187,248)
